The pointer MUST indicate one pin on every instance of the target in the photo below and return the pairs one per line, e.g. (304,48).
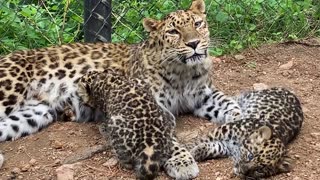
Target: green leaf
(222,16)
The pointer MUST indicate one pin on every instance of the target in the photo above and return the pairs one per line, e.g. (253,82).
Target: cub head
(183,34)
(261,155)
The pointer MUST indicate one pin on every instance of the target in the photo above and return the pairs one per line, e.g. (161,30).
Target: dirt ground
(38,156)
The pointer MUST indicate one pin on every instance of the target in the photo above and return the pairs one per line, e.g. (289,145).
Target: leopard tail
(148,163)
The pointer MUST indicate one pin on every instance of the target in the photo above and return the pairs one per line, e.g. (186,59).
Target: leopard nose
(193,44)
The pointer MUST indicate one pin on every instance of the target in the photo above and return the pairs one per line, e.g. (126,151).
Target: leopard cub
(257,142)
(138,129)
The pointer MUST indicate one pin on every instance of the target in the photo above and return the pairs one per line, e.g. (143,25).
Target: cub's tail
(148,163)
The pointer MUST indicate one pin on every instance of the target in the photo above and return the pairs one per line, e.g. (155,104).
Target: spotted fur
(140,131)
(257,143)
(35,85)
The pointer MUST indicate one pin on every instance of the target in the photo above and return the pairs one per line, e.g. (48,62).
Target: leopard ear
(285,164)
(151,24)
(263,133)
(198,6)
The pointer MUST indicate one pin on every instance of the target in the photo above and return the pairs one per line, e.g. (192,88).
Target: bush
(234,25)
(30,24)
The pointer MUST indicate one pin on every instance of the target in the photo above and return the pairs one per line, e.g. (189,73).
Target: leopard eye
(173,32)
(198,24)
(250,157)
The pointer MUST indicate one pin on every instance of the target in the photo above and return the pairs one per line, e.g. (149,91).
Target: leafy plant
(28,25)
(234,25)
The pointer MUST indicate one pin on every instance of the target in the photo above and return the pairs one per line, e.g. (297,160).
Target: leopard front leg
(213,105)
(181,164)
(205,149)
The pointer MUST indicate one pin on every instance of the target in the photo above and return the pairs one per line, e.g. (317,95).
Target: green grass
(234,25)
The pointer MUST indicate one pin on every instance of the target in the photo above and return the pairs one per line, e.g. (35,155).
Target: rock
(296,178)
(66,171)
(20,177)
(32,162)
(111,162)
(57,162)
(16,170)
(25,168)
(57,144)
(315,135)
(216,60)
(239,57)
(286,66)
(259,86)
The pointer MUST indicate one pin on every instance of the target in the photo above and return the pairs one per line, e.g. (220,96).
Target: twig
(96,169)
(84,154)
(54,21)
(301,43)
(66,7)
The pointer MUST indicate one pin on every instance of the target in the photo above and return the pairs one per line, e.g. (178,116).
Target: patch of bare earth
(295,66)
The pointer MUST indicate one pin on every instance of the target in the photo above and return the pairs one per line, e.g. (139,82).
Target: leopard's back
(35,84)
(140,131)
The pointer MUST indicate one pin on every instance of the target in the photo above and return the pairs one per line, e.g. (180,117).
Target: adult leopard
(37,84)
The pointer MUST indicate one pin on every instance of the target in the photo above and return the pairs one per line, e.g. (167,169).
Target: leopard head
(182,35)
(261,155)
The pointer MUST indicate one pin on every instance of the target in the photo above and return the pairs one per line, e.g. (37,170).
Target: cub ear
(198,6)
(263,133)
(285,164)
(150,24)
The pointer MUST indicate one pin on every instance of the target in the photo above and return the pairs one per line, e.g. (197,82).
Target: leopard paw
(68,114)
(182,166)
(233,115)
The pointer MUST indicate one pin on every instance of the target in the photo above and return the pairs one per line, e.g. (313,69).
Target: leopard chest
(181,97)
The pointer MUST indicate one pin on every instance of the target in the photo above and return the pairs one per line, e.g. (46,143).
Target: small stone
(208,124)
(285,73)
(57,144)
(315,135)
(216,60)
(25,168)
(296,178)
(57,162)
(239,57)
(20,177)
(66,171)
(297,156)
(286,66)
(111,162)
(259,86)
(16,170)
(32,162)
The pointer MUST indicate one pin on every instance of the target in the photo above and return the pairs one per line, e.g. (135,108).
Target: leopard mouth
(194,59)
